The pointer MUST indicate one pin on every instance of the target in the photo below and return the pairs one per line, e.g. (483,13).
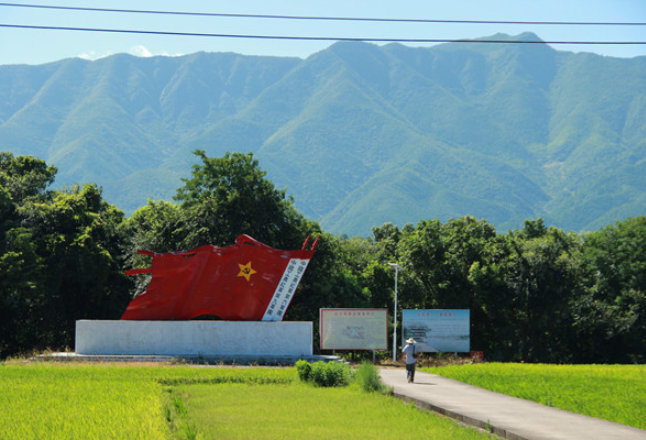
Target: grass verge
(611,392)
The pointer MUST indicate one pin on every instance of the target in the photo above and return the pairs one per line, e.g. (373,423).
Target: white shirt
(409,350)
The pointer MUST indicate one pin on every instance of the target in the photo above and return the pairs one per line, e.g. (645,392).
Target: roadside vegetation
(612,392)
(112,401)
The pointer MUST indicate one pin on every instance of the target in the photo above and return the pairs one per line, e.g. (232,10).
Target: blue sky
(31,46)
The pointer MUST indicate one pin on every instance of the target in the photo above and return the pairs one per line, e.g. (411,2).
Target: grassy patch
(611,392)
(301,411)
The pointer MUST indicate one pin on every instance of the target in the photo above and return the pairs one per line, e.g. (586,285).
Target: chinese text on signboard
(438,330)
(354,329)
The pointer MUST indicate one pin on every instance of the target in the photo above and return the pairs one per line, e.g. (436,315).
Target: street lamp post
(397,268)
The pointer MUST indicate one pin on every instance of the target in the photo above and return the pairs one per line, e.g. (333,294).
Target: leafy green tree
(159,226)
(496,333)
(24,176)
(76,240)
(611,313)
(464,241)
(229,196)
(388,236)
(20,271)
(422,254)
(363,260)
(378,277)
(59,257)
(517,286)
(440,257)
(439,260)
(22,179)
(542,274)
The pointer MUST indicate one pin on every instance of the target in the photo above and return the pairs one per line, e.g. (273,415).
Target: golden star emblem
(246,271)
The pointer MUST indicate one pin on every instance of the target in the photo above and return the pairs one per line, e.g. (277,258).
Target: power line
(322,18)
(309,38)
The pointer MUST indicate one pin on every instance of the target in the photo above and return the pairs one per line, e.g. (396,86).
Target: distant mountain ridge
(359,134)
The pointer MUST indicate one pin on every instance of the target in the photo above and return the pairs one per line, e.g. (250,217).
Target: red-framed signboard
(354,329)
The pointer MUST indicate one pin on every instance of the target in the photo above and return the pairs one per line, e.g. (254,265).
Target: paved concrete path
(508,417)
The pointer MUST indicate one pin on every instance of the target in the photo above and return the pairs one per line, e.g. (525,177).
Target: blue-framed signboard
(438,330)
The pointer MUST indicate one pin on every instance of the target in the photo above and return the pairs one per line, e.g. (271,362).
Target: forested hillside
(358,134)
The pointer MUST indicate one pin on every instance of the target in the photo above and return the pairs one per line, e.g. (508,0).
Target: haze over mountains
(359,134)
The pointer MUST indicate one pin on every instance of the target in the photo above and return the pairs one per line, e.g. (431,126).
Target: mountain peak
(525,36)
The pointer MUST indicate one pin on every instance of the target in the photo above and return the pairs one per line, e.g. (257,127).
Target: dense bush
(324,374)
(334,374)
(304,369)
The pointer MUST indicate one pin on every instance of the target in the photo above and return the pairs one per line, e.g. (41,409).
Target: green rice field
(114,401)
(611,392)
(301,411)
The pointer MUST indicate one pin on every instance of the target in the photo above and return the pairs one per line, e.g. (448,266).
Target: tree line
(537,294)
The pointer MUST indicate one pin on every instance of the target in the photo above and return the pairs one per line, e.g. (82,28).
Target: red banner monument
(247,281)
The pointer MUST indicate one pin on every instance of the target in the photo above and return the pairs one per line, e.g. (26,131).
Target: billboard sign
(438,330)
(354,329)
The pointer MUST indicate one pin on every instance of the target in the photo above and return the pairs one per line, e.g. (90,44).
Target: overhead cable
(321,18)
(311,38)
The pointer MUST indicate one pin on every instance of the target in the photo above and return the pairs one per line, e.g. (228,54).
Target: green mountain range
(359,134)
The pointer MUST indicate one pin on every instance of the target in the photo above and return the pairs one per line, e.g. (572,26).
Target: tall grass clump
(367,378)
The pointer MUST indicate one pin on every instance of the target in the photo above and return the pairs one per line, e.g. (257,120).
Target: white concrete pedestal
(194,338)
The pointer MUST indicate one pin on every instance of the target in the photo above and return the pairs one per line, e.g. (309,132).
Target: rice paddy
(611,392)
(114,401)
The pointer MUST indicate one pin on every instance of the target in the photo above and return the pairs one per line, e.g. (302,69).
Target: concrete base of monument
(190,359)
(227,341)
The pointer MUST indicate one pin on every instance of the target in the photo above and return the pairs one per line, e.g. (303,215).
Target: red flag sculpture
(247,281)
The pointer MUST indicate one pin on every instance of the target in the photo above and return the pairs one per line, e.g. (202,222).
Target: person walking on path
(410,350)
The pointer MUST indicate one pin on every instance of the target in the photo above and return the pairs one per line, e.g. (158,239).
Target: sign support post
(397,268)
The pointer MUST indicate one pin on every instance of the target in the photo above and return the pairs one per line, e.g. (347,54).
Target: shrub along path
(508,417)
